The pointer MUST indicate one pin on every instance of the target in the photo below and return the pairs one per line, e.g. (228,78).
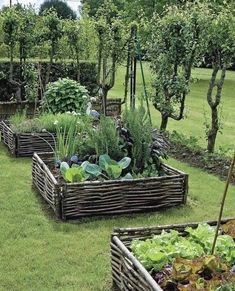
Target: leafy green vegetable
(92,169)
(113,168)
(165,248)
(88,170)
(63,168)
(76,174)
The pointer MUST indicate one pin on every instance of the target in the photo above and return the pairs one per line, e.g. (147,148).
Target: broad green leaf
(63,168)
(75,174)
(125,162)
(104,160)
(91,169)
(114,171)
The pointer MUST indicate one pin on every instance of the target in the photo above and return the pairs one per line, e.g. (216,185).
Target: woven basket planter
(127,272)
(25,144)
(94,198)
(8,109)
(113,106)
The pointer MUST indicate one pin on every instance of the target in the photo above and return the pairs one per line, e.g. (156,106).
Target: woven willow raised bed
(127,272)
(93,198)
(8,109)
(113,106)
(25,144)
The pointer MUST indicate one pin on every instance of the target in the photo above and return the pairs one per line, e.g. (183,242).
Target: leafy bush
(65,95)
(191,142)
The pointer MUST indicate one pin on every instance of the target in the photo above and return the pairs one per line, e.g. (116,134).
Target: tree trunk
(47,78)
(212,134)
(164,121)
(104,100)
(78,64)
(11,65)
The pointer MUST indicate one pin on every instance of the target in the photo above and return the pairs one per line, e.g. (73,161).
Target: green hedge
(88,76)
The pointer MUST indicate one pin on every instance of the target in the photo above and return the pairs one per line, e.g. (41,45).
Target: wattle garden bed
(111,197)
(127,271)
(25,144)
(9,108)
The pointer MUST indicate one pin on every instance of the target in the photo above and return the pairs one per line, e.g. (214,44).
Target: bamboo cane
(222,203)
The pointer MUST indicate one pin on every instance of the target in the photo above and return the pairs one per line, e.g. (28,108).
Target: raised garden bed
(127,272)
(113,106)
(8,109)
(111,197)
(25,144)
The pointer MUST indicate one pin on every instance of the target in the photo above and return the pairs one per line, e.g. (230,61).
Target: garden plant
(60,71)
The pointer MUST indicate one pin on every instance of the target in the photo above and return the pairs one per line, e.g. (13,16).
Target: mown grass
(197,109)
(40,253)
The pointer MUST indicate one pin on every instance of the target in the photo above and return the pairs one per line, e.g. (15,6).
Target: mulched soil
(201,159)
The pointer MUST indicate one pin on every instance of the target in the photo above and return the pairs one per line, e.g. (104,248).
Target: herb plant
(103,139)
(143,145)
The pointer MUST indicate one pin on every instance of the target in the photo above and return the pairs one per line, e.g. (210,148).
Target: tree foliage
(51,34)
(94,5)
(219,39)
(111,47)
(61,7)
(174,50)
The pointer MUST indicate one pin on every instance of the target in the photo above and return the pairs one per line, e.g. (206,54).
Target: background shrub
(88,75)
(65,95)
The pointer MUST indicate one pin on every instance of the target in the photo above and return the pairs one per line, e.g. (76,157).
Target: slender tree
(111,46)
(51,34)
(220,47)
(10,30)
(174,49)
(72,31)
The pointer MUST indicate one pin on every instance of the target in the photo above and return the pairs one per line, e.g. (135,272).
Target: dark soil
(201,159)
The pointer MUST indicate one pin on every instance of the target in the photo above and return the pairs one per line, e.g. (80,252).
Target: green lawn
(196,106)
(39,253)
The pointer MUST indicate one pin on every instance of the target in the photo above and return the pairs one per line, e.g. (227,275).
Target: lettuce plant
(163,249)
